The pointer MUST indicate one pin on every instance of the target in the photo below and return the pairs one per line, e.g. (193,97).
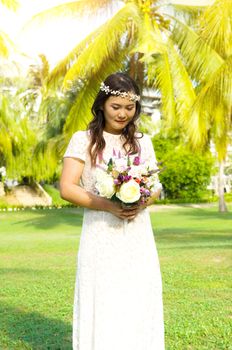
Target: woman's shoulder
(78,145)
(83,134)
(81,137)
(143,138)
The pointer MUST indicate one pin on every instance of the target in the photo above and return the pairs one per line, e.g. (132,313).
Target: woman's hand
(124,212)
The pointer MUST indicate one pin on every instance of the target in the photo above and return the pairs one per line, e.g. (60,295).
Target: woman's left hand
(133,210)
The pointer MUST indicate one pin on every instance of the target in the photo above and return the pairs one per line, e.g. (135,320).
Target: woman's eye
(128,108)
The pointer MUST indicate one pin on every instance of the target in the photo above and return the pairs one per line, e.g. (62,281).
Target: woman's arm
(71,191)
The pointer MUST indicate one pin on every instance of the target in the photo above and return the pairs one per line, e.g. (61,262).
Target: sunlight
(54,38)
(57,37)
(192,2)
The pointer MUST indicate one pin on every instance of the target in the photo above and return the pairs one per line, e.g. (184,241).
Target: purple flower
(136,160)
(120,178)
(145,191)
(127,177)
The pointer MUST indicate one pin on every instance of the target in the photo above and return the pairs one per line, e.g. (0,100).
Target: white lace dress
(118,291)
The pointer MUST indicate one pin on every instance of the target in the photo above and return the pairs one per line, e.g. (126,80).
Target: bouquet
(127,179)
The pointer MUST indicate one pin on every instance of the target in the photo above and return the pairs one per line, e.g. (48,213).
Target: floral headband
(129,95)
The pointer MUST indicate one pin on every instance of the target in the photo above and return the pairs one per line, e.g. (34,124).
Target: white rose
(104,184)
(129,192)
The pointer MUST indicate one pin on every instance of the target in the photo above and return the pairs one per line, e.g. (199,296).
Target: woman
(118,292)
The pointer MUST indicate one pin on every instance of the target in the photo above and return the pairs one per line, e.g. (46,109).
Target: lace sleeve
(78,145)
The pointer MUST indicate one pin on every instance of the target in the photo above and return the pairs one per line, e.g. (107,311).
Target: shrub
(187,173)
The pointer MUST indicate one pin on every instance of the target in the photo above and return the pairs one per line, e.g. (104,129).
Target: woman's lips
(121,121)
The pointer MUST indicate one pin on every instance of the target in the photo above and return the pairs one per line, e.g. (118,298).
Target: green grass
(55,194)
(196,260)
(38,262)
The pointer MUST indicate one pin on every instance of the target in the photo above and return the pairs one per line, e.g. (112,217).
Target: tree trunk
(222,203)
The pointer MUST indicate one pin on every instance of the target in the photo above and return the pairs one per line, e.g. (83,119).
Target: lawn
(38,262)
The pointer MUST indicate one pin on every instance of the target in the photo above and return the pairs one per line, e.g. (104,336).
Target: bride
(118,292)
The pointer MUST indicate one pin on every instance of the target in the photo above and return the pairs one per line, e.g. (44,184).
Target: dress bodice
(78,148)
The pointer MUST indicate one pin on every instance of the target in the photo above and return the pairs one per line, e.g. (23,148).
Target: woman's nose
(122,114)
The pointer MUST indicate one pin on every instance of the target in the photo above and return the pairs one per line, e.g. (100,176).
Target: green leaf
(200,59)
(105,45)
(216,27)
(77,8)
(11,4)
(150,41)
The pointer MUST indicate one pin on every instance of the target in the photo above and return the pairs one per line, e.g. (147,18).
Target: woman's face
(118,112)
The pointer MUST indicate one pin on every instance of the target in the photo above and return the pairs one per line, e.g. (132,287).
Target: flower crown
(129,95)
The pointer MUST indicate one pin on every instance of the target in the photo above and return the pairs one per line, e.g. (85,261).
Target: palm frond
(63,66)
(150,40)
(5,126)
(6,44)
(50,149)
(182,85)
(80,114)
(11,4)
(78,8)
(5,141)
(4,52)
(220,122)
(159,76)
(200,59)
(187,13)
(220,131)
(177,92)
(216,24)
(105,45)
(17,137)
(46,158)
(217,92)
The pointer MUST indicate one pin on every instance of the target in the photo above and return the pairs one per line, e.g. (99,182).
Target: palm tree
(17,137)
(211,112)
(136,37)
(141,36)
(21,125)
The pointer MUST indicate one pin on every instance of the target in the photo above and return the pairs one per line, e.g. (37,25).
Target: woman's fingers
(128,213)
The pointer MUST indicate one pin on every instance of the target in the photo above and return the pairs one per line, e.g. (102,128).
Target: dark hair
(122,83)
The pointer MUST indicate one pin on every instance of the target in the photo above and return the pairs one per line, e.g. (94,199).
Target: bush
(187,173)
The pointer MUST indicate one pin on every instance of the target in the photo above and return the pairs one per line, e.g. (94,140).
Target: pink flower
(136,160)
(117,182)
